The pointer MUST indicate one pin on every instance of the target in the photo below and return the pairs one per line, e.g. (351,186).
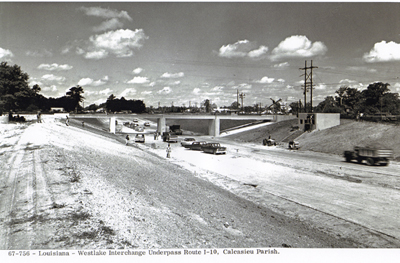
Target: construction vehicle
(269,142)
(175,129)
(372,155)
(294,145)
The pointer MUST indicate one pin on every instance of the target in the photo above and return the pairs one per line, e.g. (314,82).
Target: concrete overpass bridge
(213,120)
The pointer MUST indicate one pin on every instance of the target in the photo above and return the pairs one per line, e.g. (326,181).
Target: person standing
(39,117)
(127,139)
(67,121)
(169,151)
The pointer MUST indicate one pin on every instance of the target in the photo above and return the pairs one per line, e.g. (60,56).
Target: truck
(372,155)
(175,129)
(214,148)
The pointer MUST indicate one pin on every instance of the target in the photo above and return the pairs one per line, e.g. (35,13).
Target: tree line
(17,96)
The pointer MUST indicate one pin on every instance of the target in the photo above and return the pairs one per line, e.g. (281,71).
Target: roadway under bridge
(213,120)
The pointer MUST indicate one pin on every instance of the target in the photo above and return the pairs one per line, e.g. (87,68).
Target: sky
(181,53)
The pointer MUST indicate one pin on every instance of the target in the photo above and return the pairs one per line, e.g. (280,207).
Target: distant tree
(329,105)
(36,89)
(295,107)
(348,99)
(373,97)
(75,94)
(14,91)
(235,105)
(93,107)
(207,105)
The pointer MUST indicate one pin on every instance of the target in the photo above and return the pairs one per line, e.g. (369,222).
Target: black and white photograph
(199,131)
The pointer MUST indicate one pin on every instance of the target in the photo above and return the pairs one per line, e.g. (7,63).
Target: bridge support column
(161,125)
(112,125)
(213,127)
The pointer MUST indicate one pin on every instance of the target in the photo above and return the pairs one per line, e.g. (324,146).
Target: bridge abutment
(214,127)
(112,125)
(161,125)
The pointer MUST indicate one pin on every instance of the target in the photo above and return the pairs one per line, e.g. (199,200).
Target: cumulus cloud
(383,52)
(55,67)
(127,92)
(282,65)
(139,80)
(167,75)
(51,88)
(91,82)
(165,90)
(196,90)
(265,80)
(53,78)
(257,53)
(137,71)
(85,81)
(218,88)
(5,54)
(105,13)
(111,24)
(105,91)
(121,43)
(242,48)
(99,54)
(298,47)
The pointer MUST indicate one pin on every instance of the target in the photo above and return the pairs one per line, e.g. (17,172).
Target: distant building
(318,121)
(56,109)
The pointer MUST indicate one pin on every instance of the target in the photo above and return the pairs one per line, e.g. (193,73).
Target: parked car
(139,138)
(135,120)
(147,124)
(187,142)
(197,145)
(214,148)
(139,129)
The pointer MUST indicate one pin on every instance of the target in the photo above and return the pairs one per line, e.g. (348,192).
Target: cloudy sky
(180,53)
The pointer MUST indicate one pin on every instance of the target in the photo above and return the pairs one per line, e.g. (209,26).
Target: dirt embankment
(334,140)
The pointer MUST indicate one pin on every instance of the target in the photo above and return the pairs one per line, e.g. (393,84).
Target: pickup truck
(214,148)
(168,137)
(372,155)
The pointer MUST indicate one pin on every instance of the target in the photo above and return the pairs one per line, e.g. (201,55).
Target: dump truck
(372,155)
(175,129)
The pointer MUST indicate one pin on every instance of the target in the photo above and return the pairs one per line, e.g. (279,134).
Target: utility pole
(237,99)
(308,85)
(242,95)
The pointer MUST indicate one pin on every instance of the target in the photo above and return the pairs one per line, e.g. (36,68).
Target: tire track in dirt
(7,201)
